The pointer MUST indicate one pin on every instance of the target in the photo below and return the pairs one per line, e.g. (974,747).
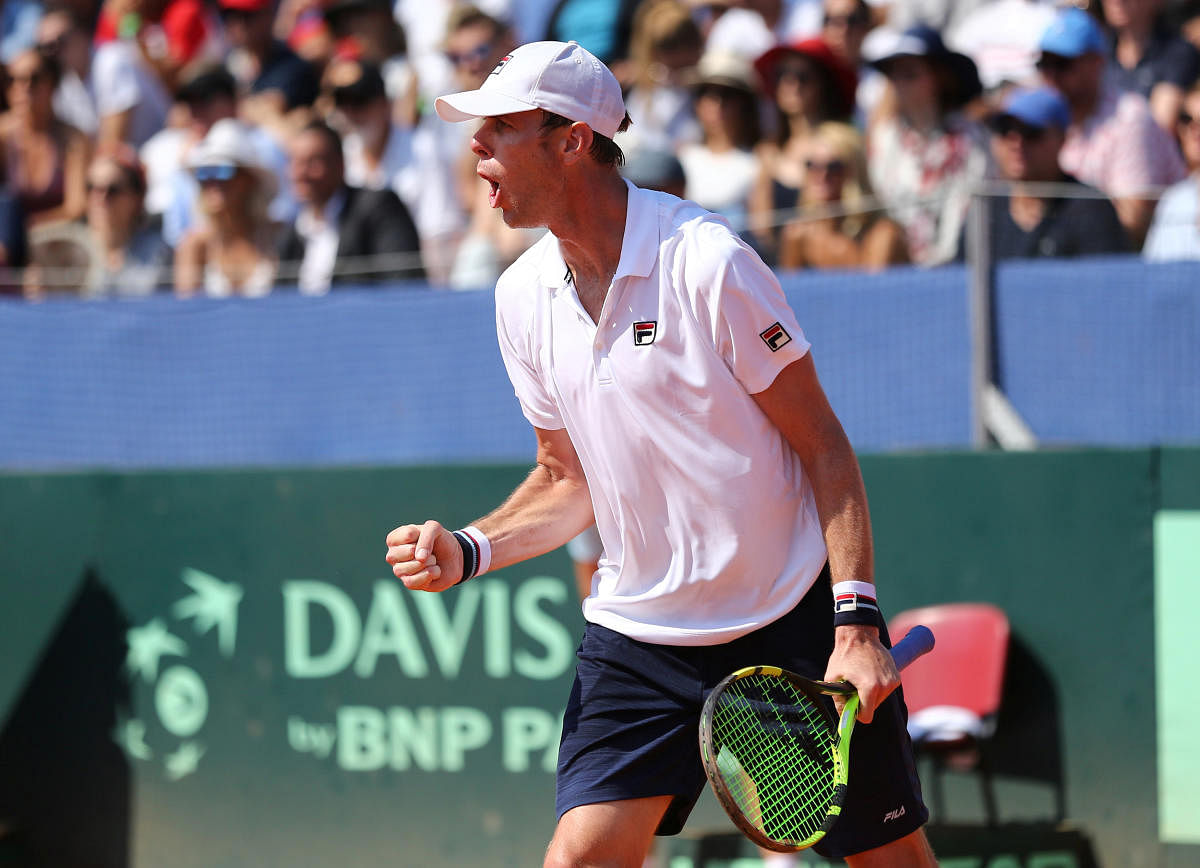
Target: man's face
(247,28)
(518,164)
(845,26)
(1076,78)
(1025,152)
(315,170)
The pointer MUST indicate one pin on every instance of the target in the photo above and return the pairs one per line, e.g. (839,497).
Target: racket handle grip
(918,641)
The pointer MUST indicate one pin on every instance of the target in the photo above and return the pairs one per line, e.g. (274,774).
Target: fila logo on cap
(499,66)
(775,337)
(644,332)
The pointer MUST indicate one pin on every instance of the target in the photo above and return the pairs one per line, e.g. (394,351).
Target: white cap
(560,77)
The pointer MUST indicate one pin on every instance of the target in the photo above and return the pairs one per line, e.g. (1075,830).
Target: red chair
(953,692)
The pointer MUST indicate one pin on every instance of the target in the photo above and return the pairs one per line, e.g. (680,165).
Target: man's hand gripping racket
(775,756)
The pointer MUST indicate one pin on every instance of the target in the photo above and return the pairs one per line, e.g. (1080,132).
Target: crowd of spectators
(234,147)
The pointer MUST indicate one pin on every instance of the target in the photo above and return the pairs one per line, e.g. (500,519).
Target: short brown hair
(604,150)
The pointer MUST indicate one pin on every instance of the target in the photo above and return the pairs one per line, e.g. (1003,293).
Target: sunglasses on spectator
(31,80)
(1187,120)
(478,54)
(50,47)
(802,75)
(854,19)
(242,15)
(221,174)
(826,167)
(1006,126)
(1054,63)
(108,191)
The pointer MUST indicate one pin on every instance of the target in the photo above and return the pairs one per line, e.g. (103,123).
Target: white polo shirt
(709,525)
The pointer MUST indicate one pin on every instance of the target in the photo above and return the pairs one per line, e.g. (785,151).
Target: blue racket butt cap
(919,640)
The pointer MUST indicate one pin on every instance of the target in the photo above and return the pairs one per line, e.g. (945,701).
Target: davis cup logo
(644,332)
(775,337)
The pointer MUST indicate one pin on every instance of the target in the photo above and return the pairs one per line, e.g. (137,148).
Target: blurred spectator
(722,167)
(852,232)
(923,153)
(133,258)
(46,160)
(63,38)
(382,155)
(274,79)
(426,24)
(231,251)
(170,34)
(665,47)
(18,26)
(751,27)
(365,30)
(1113,143)
(844,26)
(603,27)
(809,85)
(207,95)
(1002,38)
(1027,133)
(1175,232)
(1148,58)
(1187,18)
(656,170)
(131,99)
(344,234)
(14,247)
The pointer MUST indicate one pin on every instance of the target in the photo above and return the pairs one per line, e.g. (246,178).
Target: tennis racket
(774,754)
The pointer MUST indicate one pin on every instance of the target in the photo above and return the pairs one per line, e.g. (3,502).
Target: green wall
(285,702)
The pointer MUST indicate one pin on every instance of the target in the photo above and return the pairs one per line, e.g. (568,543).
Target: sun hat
(845,79)
(230,143)
(559,77)
(724,69)
(1072,33)
(923,41)
(1040,107)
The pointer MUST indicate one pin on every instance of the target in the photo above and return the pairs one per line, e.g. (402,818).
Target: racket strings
(778,756)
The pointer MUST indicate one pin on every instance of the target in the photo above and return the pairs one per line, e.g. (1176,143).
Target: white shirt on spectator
(121,81)
(73,103)
(417,170)
(1175,232)
(708,521)
(720,182)
(320,234)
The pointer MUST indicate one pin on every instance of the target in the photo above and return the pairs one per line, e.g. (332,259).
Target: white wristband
(483,544)
(865,588)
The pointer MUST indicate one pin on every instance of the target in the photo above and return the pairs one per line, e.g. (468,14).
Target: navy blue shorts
(631,725)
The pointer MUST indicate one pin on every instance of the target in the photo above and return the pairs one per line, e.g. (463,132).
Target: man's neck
(591,235)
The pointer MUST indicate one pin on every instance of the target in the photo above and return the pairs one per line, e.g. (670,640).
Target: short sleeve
(754,329)
(514,333)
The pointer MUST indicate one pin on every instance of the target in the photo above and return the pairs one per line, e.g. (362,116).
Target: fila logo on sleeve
(644,332)
(775,337)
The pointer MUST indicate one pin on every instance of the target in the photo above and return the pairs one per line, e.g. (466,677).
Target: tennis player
(674,398)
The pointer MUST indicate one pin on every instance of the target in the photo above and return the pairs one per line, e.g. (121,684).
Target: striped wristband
(476,552)
(855,603)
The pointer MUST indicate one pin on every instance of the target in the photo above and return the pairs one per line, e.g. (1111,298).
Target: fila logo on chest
(645,332)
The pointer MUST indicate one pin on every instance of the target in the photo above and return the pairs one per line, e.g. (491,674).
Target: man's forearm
(845,519)
(541,514)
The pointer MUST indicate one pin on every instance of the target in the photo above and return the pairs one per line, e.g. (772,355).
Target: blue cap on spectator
(1073,33)
(1040,107)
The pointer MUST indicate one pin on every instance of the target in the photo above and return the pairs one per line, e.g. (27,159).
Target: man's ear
(577,141)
